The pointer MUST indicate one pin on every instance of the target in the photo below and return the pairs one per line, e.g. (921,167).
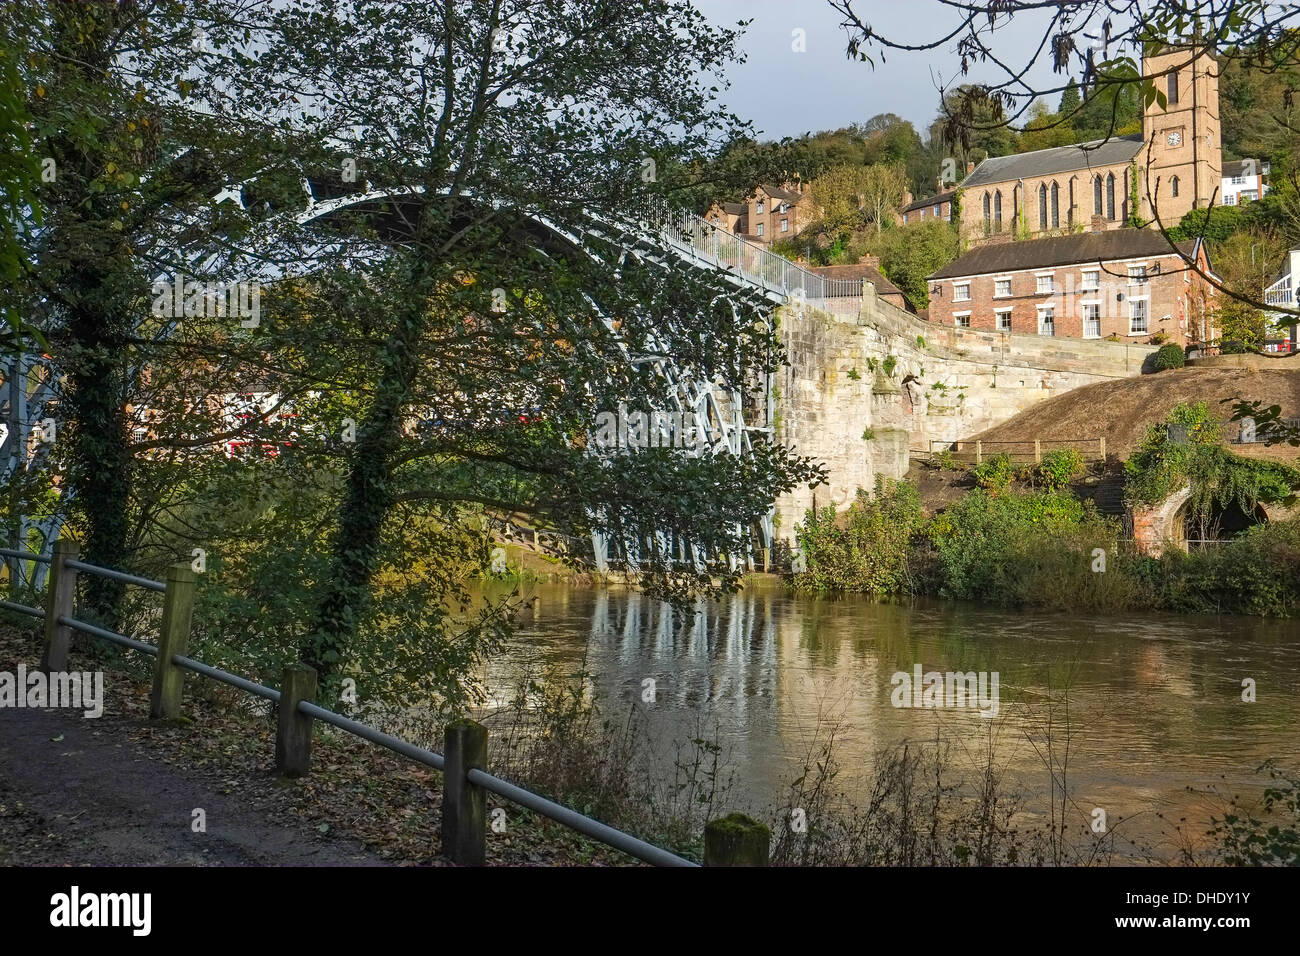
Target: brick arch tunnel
(1170,523)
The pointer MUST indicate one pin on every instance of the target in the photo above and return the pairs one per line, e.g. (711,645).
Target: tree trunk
(366,504)
(100,450)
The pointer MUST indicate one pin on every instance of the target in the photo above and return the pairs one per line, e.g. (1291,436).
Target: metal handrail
(22,608)
(25,555)
(108,635)
(225,677)
(710,243)
(149,583)
(366,732)
(619,840)
(641,850)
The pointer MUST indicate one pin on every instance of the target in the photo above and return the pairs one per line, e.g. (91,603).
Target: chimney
(907,197)
(870,260)
(970,167)
(939,185)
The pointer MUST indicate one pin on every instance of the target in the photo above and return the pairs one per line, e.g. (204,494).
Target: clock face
(1174,139)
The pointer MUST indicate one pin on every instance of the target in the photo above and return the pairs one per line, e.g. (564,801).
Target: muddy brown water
(1154,700)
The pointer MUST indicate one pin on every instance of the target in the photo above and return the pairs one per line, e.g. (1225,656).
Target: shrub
(868,547)
(1059,468)
(979,534)
(1251,574)
(1170,356)
(995,472)
(945,460)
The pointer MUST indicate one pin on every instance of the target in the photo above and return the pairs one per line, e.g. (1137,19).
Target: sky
(786,93)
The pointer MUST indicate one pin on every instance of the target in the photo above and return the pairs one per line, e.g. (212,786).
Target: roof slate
(1104,246)
(1058,159)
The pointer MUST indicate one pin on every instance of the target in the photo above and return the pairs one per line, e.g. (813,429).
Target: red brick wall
(1170,303)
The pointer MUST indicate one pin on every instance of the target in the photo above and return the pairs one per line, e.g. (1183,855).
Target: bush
(946,460)
(976,537)
(995,472)
(1251,574)
(1170,356)
(1059,468)
(867,548)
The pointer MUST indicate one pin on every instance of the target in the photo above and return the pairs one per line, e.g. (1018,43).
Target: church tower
(1181,164)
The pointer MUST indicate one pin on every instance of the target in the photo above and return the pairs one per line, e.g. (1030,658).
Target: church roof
(1058,159)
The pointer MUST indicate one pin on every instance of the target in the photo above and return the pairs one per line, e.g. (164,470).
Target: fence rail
(1092,449)
(734,841)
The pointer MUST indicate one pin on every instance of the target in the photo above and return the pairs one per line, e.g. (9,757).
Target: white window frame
(956,296)
(1096,279)
(785,225)
(1038,282)
(1146,303)
(1136,277)
(1083,313)
(760,229)
(998,316)
(760,207)
(958,316)
(996,281)
(1046,310)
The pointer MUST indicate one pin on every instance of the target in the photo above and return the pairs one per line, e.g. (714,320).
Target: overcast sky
(787,93)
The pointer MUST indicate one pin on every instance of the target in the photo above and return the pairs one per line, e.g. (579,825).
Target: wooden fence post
(736,840)
(173,639)
(464,806)
(293,729)
(979,453)
(1102,442)
(60,597)
(1038,450)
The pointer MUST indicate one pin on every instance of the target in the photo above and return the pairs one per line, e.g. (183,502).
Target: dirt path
(71,793)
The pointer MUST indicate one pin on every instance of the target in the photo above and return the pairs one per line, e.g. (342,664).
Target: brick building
(868,268)
(1177,161)
(938,206)
(1127,284)
(771,214)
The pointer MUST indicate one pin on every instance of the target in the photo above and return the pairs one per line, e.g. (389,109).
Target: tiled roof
(1105,246)
(776,192)
(860,270)
(1058,159)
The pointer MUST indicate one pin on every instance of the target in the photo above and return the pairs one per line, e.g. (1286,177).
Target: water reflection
(1154,700)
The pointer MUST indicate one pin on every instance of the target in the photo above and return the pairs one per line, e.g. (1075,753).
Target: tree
(909,254)
(1070,101)
(1045,129)
(130,163)
(482,118)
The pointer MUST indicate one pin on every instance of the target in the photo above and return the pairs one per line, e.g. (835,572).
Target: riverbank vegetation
(1021,538)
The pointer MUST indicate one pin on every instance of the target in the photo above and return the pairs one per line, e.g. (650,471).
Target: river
(1155,700)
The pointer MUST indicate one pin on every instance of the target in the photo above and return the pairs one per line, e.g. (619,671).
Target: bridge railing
(466,782)
(710,243)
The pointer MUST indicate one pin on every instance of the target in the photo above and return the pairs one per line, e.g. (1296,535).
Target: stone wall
(911,383)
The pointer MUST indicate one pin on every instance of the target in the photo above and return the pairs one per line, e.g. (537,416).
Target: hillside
(1121,410)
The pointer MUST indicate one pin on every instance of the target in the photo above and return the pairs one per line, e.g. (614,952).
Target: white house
(1243,181)
(1282,294)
